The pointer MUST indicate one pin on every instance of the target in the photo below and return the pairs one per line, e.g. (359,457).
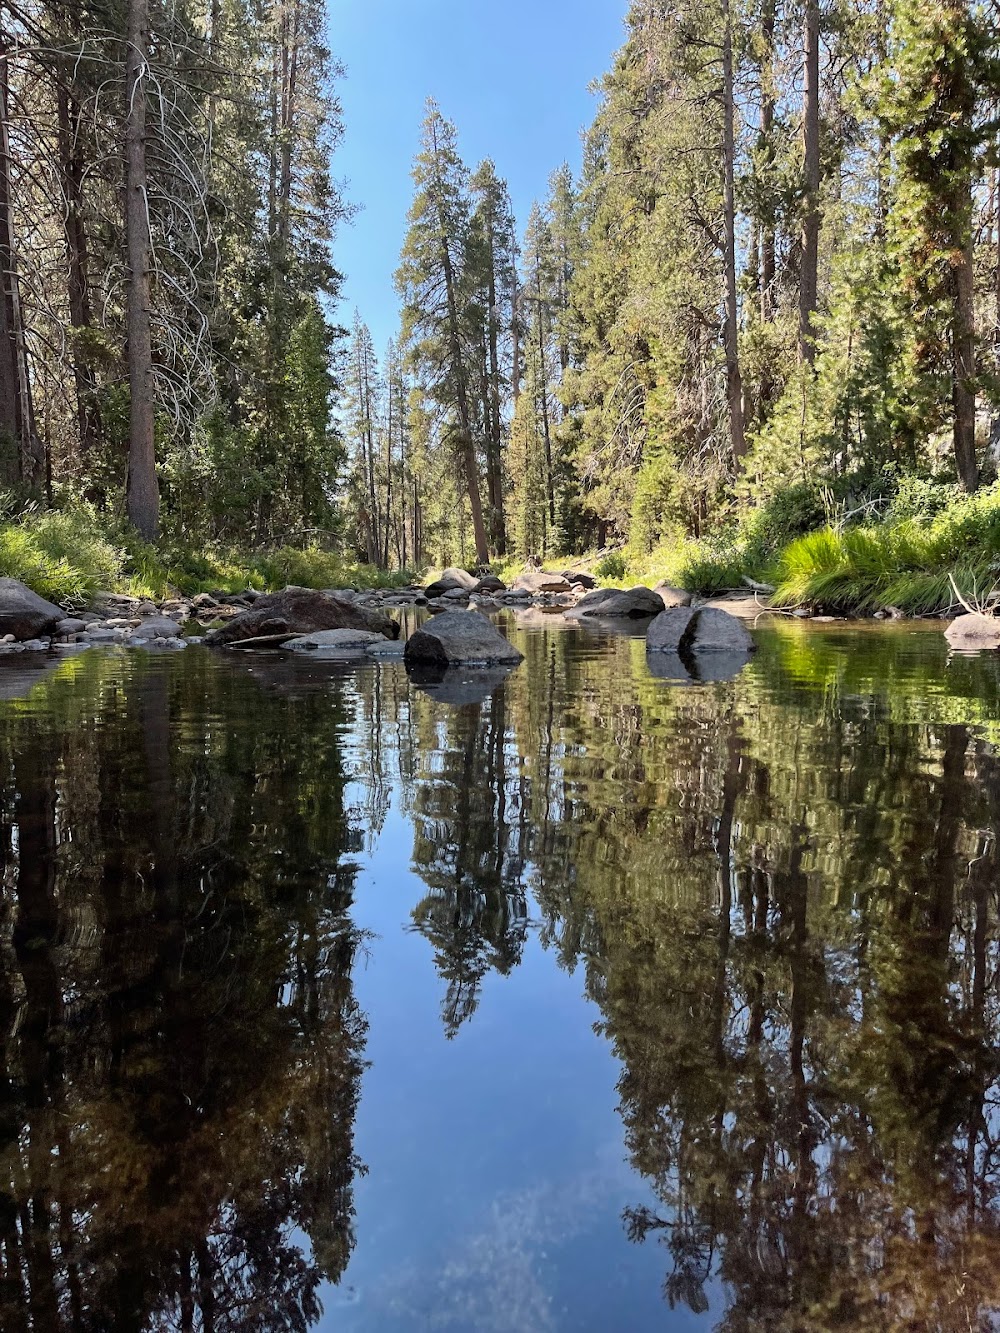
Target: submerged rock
(23,613)
(335,642)
(298,611)
(617,603)
(459,638)
(974,631)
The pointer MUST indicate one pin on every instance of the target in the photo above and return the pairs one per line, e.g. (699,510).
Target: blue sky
(513,76)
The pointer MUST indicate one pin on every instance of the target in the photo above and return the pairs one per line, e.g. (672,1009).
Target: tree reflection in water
(781,892)
(181,1045)
(784,895)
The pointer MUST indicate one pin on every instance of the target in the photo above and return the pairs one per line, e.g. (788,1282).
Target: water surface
(587,1001)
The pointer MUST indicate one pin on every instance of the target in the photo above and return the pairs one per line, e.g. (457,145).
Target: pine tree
(436,281)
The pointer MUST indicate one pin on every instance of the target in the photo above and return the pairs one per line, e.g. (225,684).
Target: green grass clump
(904,563)
(64,556)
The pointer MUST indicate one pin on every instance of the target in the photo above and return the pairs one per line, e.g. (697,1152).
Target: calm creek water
(601,1002)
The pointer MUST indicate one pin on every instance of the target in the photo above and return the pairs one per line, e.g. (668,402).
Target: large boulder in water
(618,604)
(23,613)
(974,631)
(540,580)
(463,638)
(684,630)
(671,630)
(716,631)
(299,611)
(451,578)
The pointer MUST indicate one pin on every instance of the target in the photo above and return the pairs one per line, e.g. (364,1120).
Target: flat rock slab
(23,613)
(335,642)
(688,631)
(745,606)
(298,611)
(974,632)
(459,638)
(539,580)
(618,604)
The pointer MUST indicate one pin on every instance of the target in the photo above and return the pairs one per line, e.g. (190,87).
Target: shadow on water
(779,890)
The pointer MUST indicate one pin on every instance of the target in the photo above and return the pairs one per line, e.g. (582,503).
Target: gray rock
(671,597)
(451,578)
(456,595)
(614,603)
(35,645)
(974,632)
(103,636)
(690,632)
(671,630)
(490,583)
(298,611)
(539,580)
(156,627)
(23,613)
(335,642)
(70,625)
(459,638)
(717,631)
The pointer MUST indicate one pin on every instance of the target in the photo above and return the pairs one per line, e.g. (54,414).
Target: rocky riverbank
(339,622)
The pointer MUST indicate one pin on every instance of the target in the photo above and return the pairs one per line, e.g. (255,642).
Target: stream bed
(576,999)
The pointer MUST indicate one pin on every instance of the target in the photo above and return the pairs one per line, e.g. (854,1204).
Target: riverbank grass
(66,556)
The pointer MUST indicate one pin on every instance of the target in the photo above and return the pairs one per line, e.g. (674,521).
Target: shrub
(613,567)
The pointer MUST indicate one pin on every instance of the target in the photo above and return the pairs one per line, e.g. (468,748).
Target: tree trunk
(142,491)
(495,431)
(467,448)
(23,459)
(734,380)
(809,275)
(767,249)
(964,374)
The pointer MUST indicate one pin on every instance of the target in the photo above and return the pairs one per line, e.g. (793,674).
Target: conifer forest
(760,323)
